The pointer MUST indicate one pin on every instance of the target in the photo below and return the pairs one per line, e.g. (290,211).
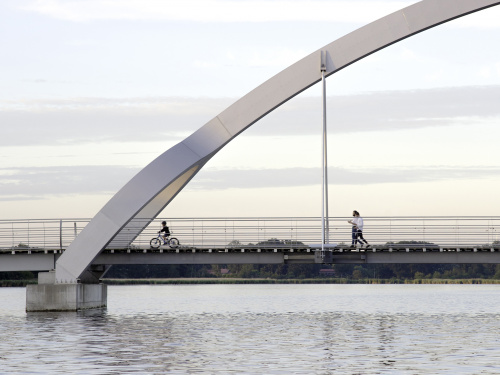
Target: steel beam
(45,262)
(27,262)
(448,257)
(190,258)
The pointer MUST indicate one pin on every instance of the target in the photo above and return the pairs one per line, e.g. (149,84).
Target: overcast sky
(93,91)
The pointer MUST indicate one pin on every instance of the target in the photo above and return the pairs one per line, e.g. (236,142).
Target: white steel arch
(154,187)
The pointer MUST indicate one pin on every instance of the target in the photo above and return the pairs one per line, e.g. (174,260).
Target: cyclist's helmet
(164,223)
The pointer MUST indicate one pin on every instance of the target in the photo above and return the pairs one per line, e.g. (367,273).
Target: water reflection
(261,330)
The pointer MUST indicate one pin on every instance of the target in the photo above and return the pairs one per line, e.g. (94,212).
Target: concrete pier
(48,296)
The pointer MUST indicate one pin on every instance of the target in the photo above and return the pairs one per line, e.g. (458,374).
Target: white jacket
(358,221)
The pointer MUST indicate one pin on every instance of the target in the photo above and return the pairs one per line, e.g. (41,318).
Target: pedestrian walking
(357,230)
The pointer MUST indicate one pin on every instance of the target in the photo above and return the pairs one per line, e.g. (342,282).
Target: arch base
(49,296)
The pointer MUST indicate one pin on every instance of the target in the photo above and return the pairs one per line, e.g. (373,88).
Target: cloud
(216,10)
(388,110)
(289,177)
(82,121)
(40,183)
(228,11)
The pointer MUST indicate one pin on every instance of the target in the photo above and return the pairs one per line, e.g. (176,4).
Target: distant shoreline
(209,280)
(187,281)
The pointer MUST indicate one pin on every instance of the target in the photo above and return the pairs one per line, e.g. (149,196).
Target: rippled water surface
(260,329)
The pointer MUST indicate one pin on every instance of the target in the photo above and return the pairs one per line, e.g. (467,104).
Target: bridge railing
(54,234)
(437,231)
(57,234)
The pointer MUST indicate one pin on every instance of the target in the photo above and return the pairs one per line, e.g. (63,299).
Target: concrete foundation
(47,296)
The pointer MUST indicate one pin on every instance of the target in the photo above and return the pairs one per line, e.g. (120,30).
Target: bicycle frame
(158,241)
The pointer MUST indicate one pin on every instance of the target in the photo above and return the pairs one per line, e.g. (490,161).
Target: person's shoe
(367,246)
(352,247)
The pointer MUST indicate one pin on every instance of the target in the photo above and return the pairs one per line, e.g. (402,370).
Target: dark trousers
(357,236)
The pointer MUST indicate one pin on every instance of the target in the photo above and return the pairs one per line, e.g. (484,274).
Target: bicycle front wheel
(173,243)
(155,243)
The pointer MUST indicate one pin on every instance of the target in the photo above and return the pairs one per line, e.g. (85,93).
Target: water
(260,329)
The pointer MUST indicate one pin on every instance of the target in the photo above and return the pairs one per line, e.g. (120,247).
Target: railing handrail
(266,218)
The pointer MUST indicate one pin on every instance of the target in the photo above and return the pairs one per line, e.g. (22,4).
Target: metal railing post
(60,235)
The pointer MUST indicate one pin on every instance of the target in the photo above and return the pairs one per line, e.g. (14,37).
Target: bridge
(36,245)
(130,212)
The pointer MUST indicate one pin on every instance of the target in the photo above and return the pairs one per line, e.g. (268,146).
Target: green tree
(359,272)
(419,275)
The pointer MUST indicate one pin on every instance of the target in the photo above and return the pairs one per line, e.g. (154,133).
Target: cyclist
(164,234)
(166,231)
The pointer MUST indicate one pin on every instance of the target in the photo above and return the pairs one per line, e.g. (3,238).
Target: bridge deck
(266,249)
(34,259)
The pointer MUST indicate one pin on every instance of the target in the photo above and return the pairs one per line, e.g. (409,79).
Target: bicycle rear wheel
(173,243)
(155,243)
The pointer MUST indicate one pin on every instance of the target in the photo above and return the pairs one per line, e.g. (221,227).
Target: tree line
(310,271)
(294,271)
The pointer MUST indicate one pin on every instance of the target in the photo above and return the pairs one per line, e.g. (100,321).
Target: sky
(95,90)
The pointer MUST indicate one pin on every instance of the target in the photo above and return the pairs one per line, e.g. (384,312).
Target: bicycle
(156,242)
